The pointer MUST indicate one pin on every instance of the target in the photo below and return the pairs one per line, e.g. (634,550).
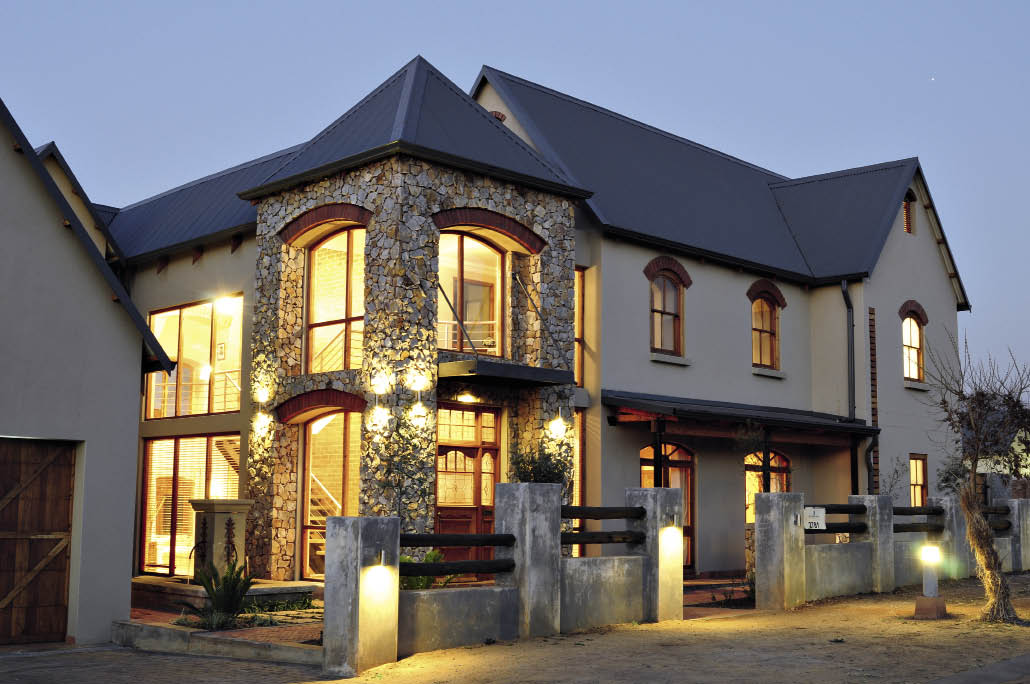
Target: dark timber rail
(918,510)
(434,540)
(466,567)
(918,527)
(840,509)
(996,510)
(621,537)
(840,528)
(604,512)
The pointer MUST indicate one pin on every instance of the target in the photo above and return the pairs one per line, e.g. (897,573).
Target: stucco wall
(70,365)
(910,267)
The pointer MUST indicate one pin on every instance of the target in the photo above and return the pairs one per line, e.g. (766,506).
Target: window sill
(671,359)
(917,386)
(768,373)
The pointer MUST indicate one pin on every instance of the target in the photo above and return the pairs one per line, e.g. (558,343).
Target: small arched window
(336,301)
(470,275)
(765,320)
(907,210)
(779,479)
(666,321)
(912,348)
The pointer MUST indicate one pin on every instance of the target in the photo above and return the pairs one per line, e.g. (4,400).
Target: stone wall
(401,264)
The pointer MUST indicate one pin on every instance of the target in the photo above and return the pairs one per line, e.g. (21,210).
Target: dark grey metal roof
(417,111)
(650,182)
(79,230)
(704,410)
(199,209)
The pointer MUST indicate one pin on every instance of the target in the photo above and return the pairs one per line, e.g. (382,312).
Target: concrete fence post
(662,550)
(532,512)
(779,551)
(1014,534)
(958,557)
(361,594)
(1020,517)
(879,520)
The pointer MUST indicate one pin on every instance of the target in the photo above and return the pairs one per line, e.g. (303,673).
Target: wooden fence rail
(434,540)
(918,510)
(839,509)
(465,567)
(620,537)
(918,527)
(840,528)
(604,512)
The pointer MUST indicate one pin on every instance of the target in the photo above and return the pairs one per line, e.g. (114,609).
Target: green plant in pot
(226,593)
(545,466)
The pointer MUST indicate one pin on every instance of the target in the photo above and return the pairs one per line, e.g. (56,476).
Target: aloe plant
(226,594)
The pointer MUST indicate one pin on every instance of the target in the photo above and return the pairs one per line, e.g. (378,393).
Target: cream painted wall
(491,101)
(910,267)
(70,365)
(64,184)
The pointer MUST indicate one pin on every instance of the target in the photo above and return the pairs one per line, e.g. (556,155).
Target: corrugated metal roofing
(841,220)
(421,107)
(193,211)
(650,182)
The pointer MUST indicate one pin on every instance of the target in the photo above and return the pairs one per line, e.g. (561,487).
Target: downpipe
(850,332)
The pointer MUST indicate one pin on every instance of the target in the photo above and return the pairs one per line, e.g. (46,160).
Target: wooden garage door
(35,532)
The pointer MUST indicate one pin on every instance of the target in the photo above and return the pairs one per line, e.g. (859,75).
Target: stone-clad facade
(401,195)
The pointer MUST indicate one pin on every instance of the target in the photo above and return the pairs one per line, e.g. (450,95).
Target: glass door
(678,469)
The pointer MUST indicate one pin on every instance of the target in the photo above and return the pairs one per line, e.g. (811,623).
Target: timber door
(678,473)
(36,480)
(466,471)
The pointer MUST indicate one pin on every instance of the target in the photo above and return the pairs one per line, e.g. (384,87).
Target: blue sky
(144,96)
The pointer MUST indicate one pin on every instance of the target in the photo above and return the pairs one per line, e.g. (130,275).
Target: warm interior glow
(336,306)
(205,372)
(779,479)
(380,417)
(467,398)
(381,383)
(930,554)
(912,349)
(470,274)
(557,428)
(333,477)
(226,306)
(319,423)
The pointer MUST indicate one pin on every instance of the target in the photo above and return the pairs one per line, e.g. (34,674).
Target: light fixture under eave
(557,428)
(227,306)
(467,398)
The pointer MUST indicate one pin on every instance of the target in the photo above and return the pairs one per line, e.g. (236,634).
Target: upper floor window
(205,340)
(666,322)
(912,348)
(336,305)
(578,334)
(765,317)
(907,210)
(471,277)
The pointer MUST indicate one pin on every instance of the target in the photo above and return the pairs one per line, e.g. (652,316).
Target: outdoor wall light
(262,395)
(226,306)
(418,381)
(419,414)
(930,606)
(262,421)
(467,398)
(381,383)
(380,417)
(557,428)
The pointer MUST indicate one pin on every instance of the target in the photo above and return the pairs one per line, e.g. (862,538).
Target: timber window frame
(348,328)
(917,485)
(450,336)
(765,339)
(578,334)
(666,306)
(912,349)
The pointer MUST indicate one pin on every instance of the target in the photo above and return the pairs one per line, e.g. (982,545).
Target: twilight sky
(144,96)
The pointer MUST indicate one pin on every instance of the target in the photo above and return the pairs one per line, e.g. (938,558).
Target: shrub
(226,594)
(544,466)
(421,582)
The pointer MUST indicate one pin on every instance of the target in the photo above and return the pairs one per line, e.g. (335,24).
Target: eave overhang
(489,371)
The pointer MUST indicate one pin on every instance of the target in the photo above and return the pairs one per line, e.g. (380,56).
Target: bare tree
(985,405)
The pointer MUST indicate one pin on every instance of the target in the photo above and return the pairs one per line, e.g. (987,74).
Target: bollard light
(930,606)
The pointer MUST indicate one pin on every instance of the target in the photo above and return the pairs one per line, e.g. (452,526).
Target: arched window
(909,216)
(336,301)
(666,322)
(765,319)
(912,348)
(779,479)
(332,480)
(471,277)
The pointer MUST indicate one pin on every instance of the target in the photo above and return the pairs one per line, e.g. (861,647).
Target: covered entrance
(468,441)
(36,484)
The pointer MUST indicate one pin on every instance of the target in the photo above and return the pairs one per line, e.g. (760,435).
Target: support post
(532,512)
(1020,516)
(361,594)
(779,551)
(879,520)
(958,557)
(658,451)
(662,549)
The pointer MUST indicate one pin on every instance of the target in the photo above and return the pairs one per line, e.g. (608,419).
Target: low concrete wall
(1003,545)
(446,618)
(908,569)
(173,639)
(837,569)
(603,590)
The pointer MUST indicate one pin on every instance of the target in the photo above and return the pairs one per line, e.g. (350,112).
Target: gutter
(873,443)
(850,332)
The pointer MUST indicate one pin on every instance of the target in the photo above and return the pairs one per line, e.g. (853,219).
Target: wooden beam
(67,223)
(17,148)
(31,574)
(162,263)
(198,252)
(235,242)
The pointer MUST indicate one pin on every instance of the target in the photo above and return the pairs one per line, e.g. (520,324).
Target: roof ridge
(209,177)
(498,126)
(640,124)
(843,173)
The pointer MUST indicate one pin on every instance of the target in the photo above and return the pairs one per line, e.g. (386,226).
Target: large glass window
(779,479)
(665,314)
(336,307)
(765,351)
(206,341)
(333,480)
(917,479)
(578,314)
(175,471)
(677,473)
(470,275)
(912,349)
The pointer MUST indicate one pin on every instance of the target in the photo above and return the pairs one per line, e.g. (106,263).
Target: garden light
(930,555)
(930,606)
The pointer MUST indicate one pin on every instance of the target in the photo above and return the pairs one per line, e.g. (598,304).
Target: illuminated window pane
(327,348)
(779,479)
(337,296)
(194,368)
(160,385)
(578,335)
(224,475)
(665,307)
(470,275)
(486,477)
(226,379)
(763,333)
(158,505)
(357,273)
(454,480)
(912,349)
(329,280)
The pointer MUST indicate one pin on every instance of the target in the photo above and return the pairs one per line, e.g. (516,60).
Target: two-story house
(373,321)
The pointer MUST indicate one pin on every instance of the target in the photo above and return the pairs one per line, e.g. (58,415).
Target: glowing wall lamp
(262,394)
(262,421)
(381,383)
(930,606)
(557,428)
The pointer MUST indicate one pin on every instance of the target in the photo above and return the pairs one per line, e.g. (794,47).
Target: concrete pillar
(879,520)
(361,594)
(662,549)
(532,512)
(220,526)
(1020,517)
(957,561)
(779,551)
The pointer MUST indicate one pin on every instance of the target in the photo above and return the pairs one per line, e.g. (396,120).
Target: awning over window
(304,407)
(633,407)
(480,370)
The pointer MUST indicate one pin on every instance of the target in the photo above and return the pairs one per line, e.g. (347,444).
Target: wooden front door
(677,473)
(466,471)
(36,480)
